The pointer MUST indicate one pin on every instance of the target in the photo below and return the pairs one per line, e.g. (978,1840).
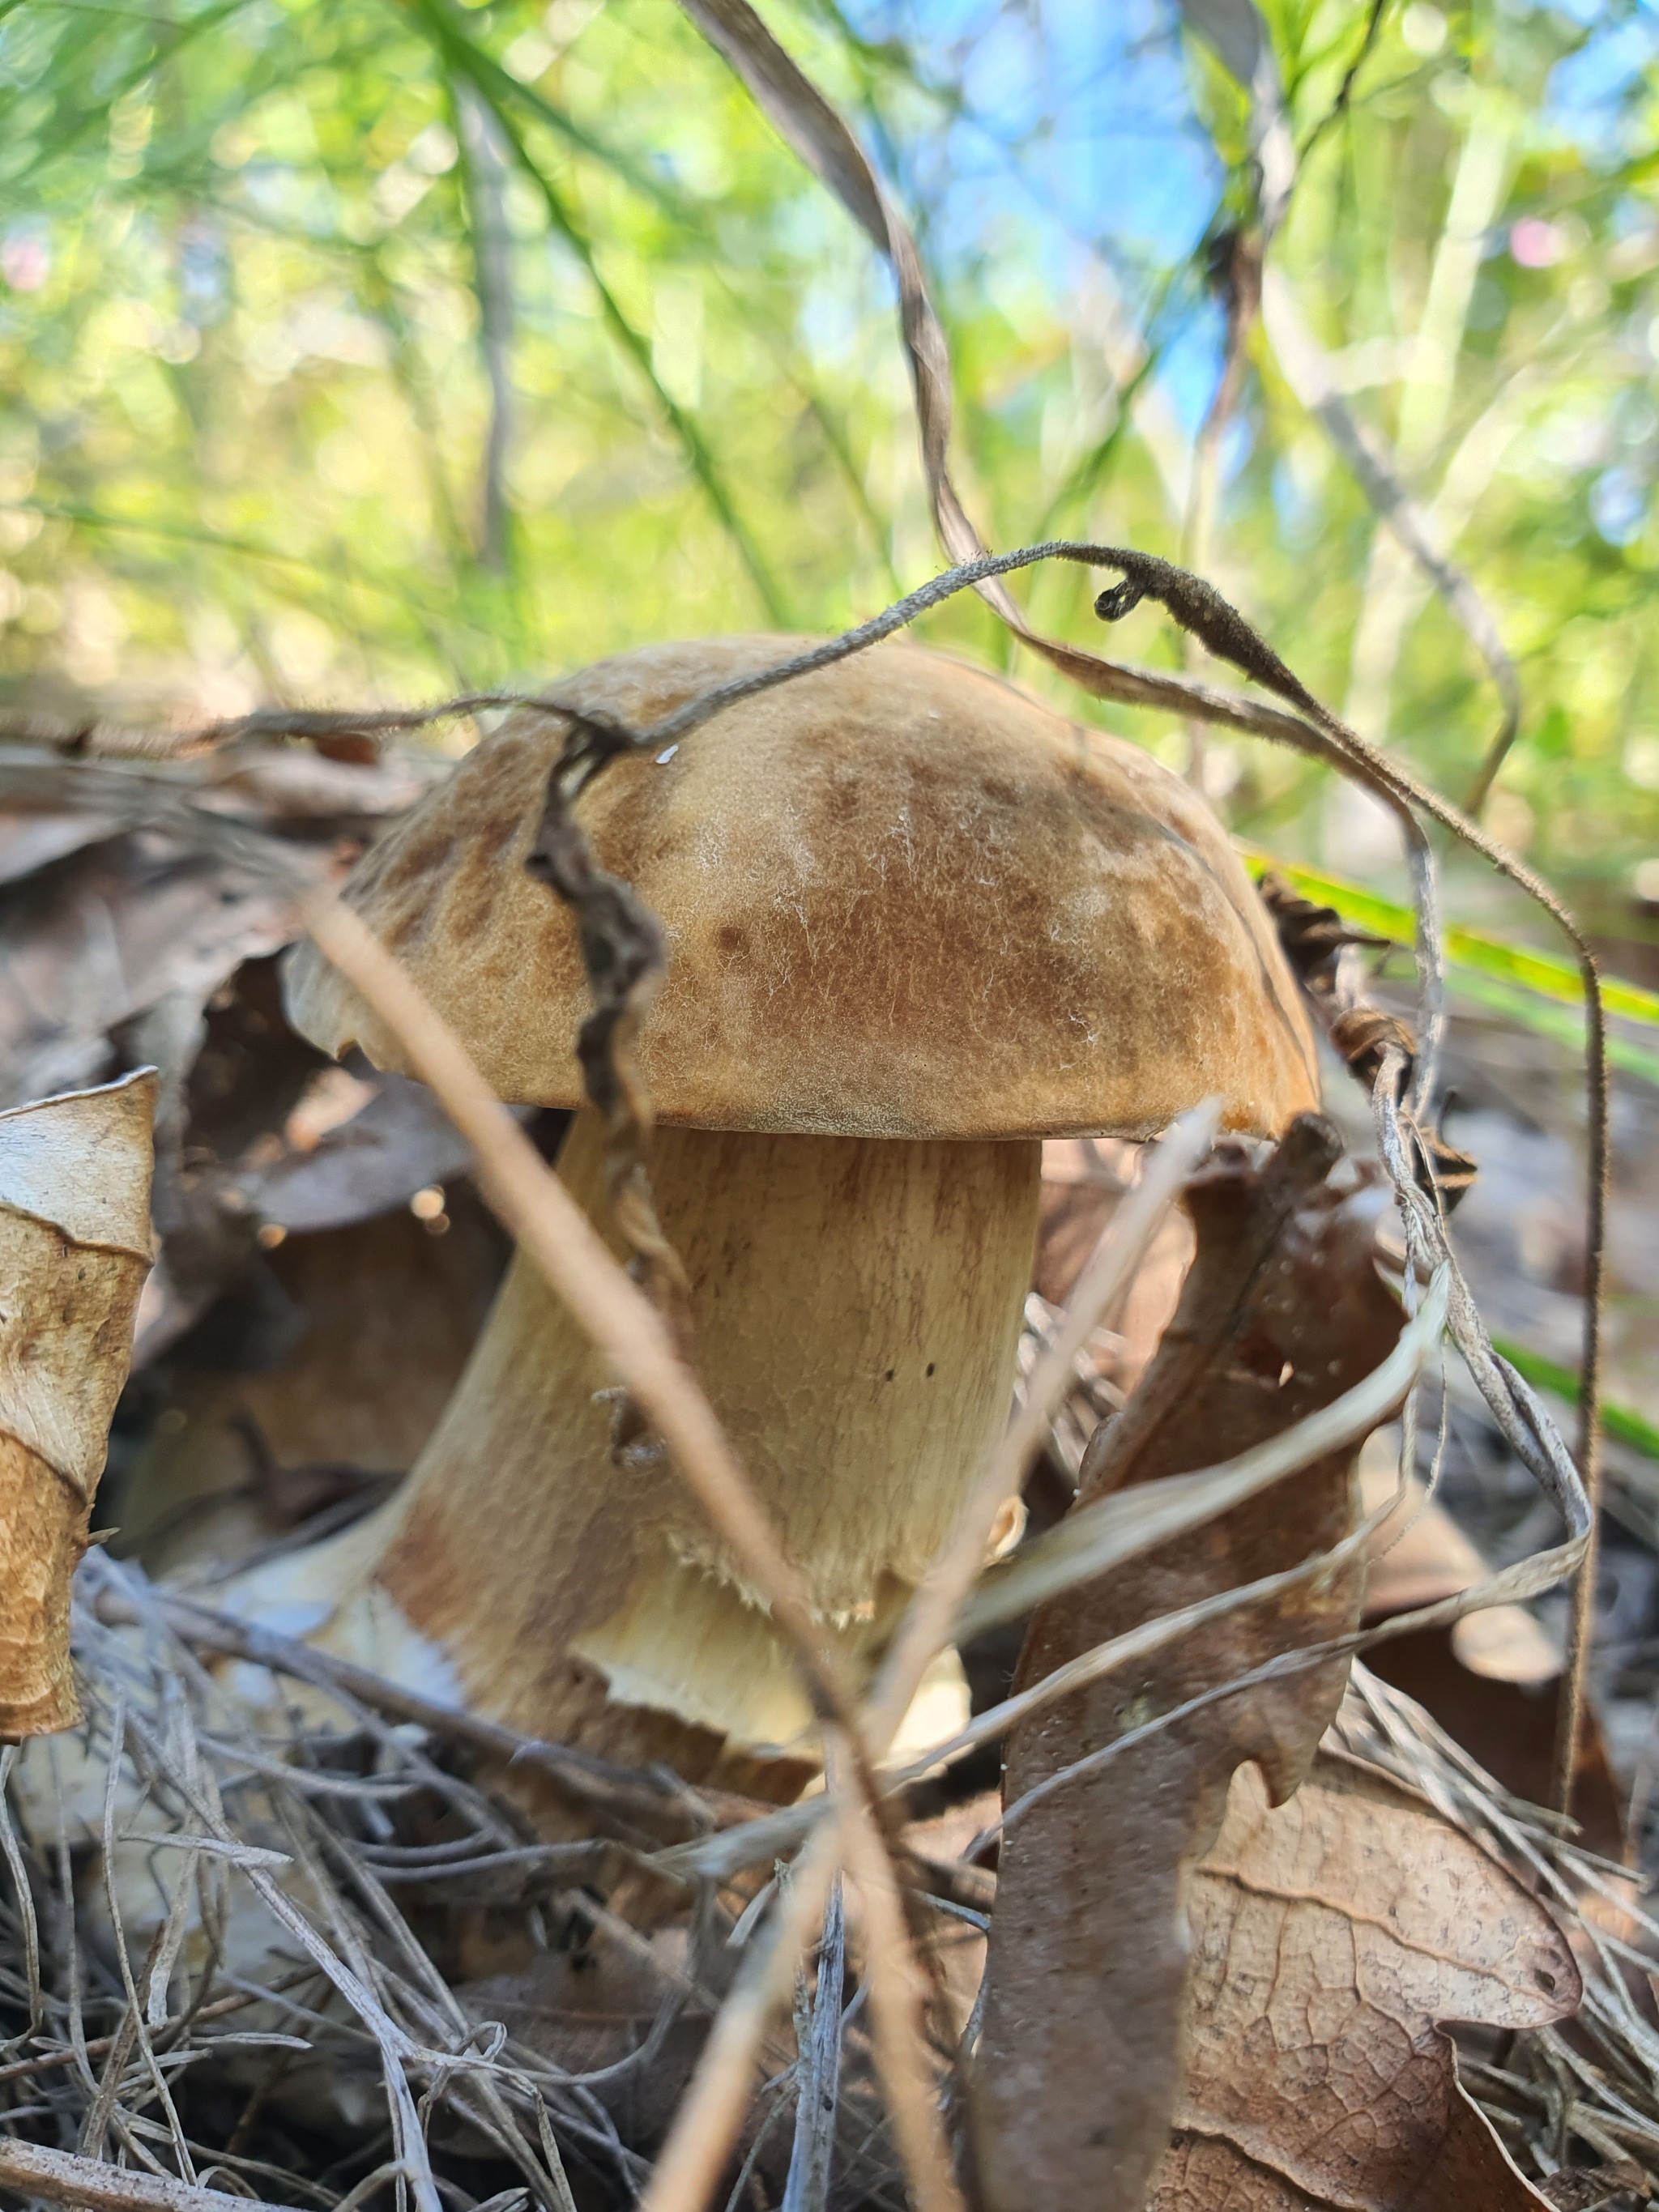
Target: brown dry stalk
(706,2124)
(638,1342)
(31,2170)
(897,2000)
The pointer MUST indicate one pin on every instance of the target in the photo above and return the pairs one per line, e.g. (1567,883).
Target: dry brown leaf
(1329,1937)
(1422,1555)
(1079,2060)
(266,1424)
(127,925)
(74,1248)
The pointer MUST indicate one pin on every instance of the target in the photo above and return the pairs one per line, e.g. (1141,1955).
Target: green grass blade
(1470,948)
(1629,1428)
(460,53)
(1519,1005)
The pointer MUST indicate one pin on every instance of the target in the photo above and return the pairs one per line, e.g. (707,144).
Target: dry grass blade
(1098,1537)
(621,1794)
(711,2112)
(807,2189)
(61,2178)
(1120,1529)
(896,2006)
(188,1745)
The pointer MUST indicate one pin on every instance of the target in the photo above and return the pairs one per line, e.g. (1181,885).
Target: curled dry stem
(624,957)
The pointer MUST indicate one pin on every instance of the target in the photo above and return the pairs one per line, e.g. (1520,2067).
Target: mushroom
(916,923)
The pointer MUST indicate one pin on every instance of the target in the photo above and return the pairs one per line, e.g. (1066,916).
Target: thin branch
(485,163)
(807,2187)
(61,2178)
(897,2010)
(1340,106)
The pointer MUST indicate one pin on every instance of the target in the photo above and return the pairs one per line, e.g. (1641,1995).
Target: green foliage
(1629,1427)
(276,275)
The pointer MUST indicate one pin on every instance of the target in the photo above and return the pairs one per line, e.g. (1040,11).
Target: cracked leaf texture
(1331,1935)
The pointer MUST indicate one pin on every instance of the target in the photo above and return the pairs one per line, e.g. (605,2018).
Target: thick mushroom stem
(856,1305)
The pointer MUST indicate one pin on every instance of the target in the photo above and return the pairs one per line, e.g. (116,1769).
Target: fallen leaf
(1331,1935)
(74,1248)
(117,939)
(1078,2064)
(309,1397)
(98,938)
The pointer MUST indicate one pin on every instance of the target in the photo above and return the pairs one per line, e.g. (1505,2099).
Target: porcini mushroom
(916,922)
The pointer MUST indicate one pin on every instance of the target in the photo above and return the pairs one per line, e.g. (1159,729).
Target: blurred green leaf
(1509,978)
(1629,1428)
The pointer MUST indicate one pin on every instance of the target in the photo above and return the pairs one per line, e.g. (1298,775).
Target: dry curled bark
(74,1248)
(1079,2057)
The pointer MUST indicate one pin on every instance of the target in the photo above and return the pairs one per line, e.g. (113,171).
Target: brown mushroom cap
(902,899)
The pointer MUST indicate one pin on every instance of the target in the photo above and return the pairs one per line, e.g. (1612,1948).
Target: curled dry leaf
(1329,1937)
(1078,2060)
(74,1248)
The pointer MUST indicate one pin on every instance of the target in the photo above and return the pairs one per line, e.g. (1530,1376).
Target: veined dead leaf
(1330,1937)
(74,1249)
(1078,2060)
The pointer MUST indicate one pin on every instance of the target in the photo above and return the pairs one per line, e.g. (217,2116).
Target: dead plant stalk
(31,2170)
(627,1328)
